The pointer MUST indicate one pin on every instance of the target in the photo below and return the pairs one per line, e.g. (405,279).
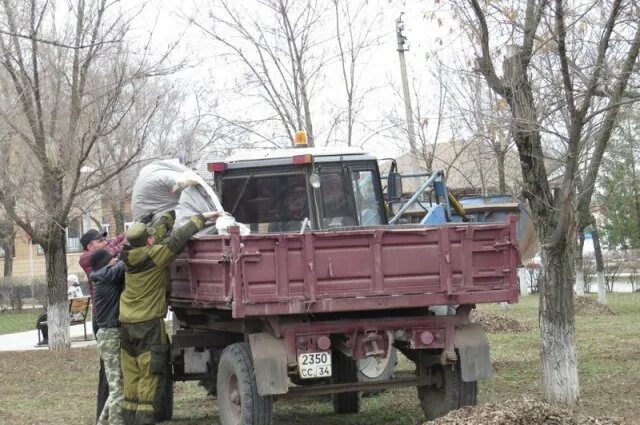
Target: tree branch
(484,61)
(58,43)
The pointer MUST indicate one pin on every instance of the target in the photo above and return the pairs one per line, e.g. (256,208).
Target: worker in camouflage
(143,307)
(108,282)
(109,349)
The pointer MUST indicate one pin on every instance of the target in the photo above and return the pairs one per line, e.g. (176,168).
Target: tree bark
(580,266)
(117,209)
(636,195)
(58,310)
(502,182)
(557,327)
(597,250)
(8,244)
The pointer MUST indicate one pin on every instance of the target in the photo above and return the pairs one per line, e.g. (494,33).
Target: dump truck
(324,283)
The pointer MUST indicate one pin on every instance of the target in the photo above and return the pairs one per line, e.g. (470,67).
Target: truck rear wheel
(375,369)
(238,400)
(449,393)
(345,370)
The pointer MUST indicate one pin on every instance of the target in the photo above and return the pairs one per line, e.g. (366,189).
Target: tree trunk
(636,195)
(524,282)
(580,266)
(597,250)
(557,327)
(502,182)
(117,209)
(58,310)
(8,245)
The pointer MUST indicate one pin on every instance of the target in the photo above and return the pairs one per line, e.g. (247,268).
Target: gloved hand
(182,183)
(212,215)
(164,225)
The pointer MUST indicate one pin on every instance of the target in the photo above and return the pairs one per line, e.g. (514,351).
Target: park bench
(78,313)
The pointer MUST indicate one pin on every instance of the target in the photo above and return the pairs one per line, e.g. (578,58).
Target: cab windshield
(348,198)
(267,203)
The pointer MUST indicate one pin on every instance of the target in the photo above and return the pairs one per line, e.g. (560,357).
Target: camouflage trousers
(109,351)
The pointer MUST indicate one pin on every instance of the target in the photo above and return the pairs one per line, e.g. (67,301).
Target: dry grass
(495,323)
(42,387)
(517,412)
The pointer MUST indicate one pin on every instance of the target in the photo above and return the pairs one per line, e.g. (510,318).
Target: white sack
(154,192)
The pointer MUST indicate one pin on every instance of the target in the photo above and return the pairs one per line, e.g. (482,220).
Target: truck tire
(345,370)
(452,394)
(238,400)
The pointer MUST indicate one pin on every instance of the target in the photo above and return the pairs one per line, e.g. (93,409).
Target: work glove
(212,215)
(182,183)
(165,224)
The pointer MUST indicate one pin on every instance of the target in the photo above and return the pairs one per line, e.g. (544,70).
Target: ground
(59,388)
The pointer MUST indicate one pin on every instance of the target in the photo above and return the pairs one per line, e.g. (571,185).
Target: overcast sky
(213,71)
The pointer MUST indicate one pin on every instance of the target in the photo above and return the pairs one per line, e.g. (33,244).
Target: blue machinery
(440,213)
(479,209)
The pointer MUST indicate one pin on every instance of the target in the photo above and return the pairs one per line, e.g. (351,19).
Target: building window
(2,251)
(74,232)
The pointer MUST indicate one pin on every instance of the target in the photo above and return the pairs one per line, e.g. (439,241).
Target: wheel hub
(233,398)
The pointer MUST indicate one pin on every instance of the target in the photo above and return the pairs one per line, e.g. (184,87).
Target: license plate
(314,365)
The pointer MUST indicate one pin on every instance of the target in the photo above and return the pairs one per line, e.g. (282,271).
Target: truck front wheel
(345,370)
(238,400)
(448,393)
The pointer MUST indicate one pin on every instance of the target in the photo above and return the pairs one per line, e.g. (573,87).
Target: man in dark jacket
(143,307)
(108,283)
(92,241)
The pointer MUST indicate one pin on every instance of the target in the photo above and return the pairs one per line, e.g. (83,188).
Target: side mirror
(394,186)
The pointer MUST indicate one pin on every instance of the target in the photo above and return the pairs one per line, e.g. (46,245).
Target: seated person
(41,326)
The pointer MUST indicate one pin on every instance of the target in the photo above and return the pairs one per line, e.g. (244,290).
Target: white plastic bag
(160,188)
(157,190)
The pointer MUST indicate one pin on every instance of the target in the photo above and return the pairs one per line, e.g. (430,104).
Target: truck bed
(388,267)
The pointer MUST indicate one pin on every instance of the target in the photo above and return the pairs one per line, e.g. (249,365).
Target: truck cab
(287,190)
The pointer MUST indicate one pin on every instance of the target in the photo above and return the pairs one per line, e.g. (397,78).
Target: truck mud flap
(473,348)
(269,363)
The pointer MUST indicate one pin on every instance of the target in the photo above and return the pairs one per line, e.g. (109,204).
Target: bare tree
(589,271)
(281,56)
(612,270)
(478,111)
(582,89)
(355,35)
(600,263)
(68,88)
(634,275)
(7,243)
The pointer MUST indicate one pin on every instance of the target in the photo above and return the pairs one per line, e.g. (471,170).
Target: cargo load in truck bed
(360,269)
